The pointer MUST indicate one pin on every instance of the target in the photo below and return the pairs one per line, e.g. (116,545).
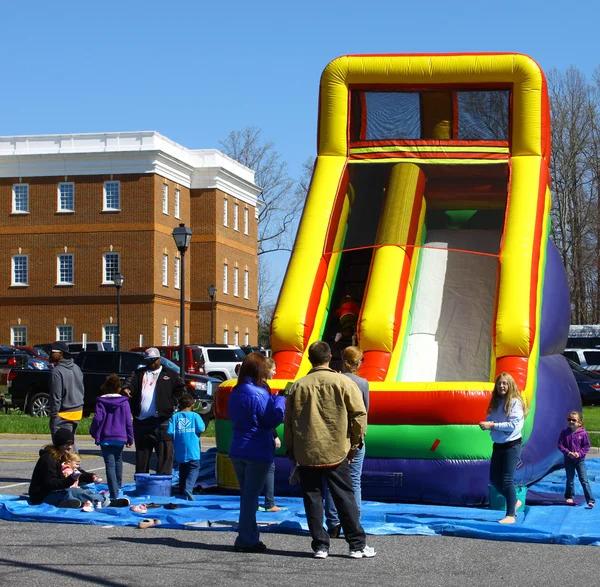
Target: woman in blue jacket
(254,412)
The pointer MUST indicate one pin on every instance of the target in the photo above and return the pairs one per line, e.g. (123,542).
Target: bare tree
(281,203)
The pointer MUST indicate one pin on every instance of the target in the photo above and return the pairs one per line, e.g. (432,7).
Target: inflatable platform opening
(425,240)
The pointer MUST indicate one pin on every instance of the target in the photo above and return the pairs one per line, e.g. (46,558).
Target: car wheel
(217,376)
(39,405)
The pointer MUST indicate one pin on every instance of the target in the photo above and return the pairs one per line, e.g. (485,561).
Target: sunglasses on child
(572,420)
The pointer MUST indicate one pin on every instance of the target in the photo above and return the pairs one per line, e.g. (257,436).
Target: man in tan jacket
(325,422)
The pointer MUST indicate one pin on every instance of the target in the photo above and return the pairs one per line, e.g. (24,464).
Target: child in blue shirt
(186,426)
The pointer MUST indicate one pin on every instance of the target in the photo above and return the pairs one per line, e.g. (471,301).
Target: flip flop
(153,505)
(148,523)
(171,506)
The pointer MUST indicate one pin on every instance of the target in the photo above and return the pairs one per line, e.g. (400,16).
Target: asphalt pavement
(35,554)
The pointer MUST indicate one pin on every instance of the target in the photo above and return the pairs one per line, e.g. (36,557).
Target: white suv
(222,361)
(586,358)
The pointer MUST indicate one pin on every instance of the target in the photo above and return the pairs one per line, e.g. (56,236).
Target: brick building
(79,209)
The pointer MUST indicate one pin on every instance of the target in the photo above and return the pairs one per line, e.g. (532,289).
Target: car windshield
(577,367)
(42,353)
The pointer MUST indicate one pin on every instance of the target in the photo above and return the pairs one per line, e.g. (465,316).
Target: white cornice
(121,153)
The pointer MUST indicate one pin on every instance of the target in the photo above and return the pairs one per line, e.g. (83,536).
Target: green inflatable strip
(224,434)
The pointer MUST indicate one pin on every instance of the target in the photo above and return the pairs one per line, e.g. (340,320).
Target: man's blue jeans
(113,463)
(251,476)
(188,475)
(502,472)
(356,466)
(570,467)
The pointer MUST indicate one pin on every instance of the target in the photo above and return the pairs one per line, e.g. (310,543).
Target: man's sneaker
(69,504)
(119,502)
(320,554)
(88,507)
(366,552)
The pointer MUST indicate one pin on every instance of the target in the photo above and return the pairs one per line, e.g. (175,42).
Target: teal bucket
(157,485)
(497,501)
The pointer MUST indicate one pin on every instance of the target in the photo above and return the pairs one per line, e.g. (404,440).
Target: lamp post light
(118,281)
(182,235)
(212,292)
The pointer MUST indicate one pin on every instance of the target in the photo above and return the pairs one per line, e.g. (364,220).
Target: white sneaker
(321,554)
(87,507)
(366,552)
(98,505)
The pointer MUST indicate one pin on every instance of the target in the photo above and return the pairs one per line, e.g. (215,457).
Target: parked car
(35,353)
(76,347)
(194,360)
(587,358)
(254,349)
(588,383)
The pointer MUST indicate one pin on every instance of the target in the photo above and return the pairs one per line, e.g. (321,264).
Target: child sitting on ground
(574,443)
(186,426)
(70,467)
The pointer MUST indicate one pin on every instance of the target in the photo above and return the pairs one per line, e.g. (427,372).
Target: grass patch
(591,418)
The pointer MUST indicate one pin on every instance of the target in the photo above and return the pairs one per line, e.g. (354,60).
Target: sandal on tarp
(171,506)
(148,523)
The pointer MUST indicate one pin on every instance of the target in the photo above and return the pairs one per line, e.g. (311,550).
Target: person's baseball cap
(151,353)
(59,347)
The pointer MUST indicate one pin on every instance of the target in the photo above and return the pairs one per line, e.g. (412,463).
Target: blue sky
(194,71)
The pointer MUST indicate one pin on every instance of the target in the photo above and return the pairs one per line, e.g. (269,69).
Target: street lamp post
(118,281)
(182,235)
(212,292)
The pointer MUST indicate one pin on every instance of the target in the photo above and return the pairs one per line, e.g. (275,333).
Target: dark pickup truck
(10,358)
(29,389)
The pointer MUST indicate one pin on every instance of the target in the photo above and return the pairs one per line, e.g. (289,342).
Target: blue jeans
(113,463)
(188,475)
(269,488)
(502,472)
(570,468)
(79,493)
(251,476)
(331,515)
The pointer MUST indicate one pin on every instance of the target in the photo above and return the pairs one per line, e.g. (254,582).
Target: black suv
(10,358)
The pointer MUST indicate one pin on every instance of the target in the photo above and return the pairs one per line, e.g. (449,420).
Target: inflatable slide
(429,208)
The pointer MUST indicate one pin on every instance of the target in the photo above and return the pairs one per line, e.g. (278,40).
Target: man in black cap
(66,391)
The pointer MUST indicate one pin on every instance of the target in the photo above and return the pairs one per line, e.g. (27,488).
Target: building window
(225,278)
(225,212)
(18,336)
(20,270)
(112,266)
(176,335)
(177,273)
(110,333)
(246,283)
(236,338)
(164,338)
(176,212)
(66,197)
(235,281)
(165,270)
(64,333)
(112,195)
(246,338)
(236,210)
(165,198)
(20,198)
(226,336)
(66,270)
(246,214)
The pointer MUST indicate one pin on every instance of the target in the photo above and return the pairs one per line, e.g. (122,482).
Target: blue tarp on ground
(545,520)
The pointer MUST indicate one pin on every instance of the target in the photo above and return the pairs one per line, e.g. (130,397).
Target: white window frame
(18,340)
(164,335)
(14,260)
(225,278)
(225,212)
(19,208)
(246,280)
(177,204)
(225,336)
(106,206)
(63,185)
(236,213)
(236,282)
(65,332)
(165,199)
(59,272)
(246,216)
(112,338)
(236,338)
(176,336)
(246,338)
(177,273)
(104,267)
(165,270)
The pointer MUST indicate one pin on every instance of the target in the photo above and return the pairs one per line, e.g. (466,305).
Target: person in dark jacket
(112,429)
(66,390)
(49,485)
(254,413)
(155,392)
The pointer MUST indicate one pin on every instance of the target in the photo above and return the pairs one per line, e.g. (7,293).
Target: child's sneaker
(106,501)
(139,509)
(591,504)
(87,507)
(98,505)
(366,552)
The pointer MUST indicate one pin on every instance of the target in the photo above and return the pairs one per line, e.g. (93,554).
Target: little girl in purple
(574,443)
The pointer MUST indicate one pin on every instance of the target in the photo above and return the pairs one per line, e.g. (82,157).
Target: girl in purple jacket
(112,429)
(574,443)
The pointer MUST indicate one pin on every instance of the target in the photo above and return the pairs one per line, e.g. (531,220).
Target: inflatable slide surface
(429,208)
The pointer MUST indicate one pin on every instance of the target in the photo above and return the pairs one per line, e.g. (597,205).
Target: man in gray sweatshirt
(66,391)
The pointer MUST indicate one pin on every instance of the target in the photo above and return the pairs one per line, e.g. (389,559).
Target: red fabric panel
(429,155)
(427,143)
(221,402)
(375,365)
(288,363)
(515,366)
